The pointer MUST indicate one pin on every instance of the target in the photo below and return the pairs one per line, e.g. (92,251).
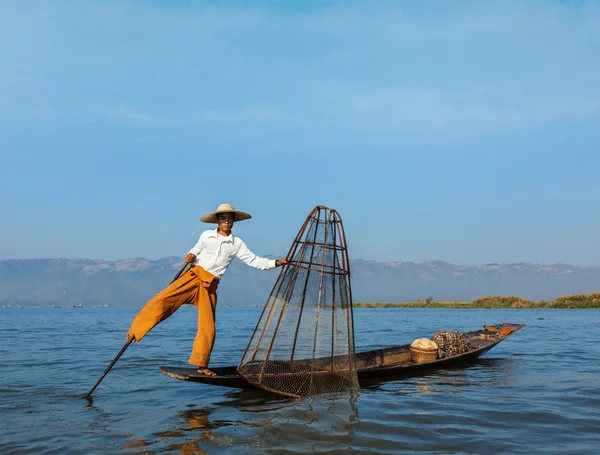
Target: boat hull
(375,365)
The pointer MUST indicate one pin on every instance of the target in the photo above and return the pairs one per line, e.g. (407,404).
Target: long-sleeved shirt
(214,253)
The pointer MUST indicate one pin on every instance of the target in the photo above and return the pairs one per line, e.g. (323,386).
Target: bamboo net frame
(303,343)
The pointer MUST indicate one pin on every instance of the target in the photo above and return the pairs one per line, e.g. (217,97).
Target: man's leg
(165,303)
(206,302)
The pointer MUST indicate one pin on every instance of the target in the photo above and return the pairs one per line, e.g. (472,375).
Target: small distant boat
(376,365)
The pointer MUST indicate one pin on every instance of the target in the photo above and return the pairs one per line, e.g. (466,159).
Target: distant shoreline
(586,301)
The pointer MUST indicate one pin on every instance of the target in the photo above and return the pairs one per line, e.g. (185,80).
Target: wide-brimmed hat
(224,208)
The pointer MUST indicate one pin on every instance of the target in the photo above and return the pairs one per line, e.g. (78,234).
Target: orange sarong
(196,287)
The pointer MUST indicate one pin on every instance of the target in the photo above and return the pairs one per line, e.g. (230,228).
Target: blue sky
(462,131)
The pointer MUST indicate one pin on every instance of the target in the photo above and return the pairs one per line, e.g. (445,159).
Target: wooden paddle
(126,344)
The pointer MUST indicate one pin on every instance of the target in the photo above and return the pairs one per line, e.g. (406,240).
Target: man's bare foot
(206,372)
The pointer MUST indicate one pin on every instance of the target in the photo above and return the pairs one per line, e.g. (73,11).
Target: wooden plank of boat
(378,364)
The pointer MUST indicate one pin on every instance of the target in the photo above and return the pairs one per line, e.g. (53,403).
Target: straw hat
(224,208)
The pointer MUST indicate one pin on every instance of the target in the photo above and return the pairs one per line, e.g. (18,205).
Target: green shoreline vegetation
(495,301)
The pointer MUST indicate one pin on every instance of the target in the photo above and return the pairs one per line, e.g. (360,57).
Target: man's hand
(190,258)
(130,336)
(281,262)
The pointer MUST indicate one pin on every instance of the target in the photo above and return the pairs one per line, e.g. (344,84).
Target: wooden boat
(376,365)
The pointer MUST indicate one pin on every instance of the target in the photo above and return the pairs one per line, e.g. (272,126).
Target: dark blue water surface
(538,392)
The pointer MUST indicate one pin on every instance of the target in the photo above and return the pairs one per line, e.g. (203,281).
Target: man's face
(225,221)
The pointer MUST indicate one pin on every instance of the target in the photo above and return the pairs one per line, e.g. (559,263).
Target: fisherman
(210,258)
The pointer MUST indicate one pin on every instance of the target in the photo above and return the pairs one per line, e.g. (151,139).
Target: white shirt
(214,252)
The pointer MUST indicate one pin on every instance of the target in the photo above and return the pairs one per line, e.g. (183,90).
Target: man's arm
(257,262)
(196,249)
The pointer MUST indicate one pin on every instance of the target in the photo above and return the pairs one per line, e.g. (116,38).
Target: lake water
(538,392)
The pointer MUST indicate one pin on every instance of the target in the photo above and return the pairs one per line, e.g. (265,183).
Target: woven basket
(423,355)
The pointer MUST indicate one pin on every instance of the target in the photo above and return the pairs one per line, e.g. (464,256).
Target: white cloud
(254,115)
(135,117)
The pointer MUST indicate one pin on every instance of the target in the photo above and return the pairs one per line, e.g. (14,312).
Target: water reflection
(328,423)
(196,427)
(197,423)
(256,421)
(254,400)
(486,372)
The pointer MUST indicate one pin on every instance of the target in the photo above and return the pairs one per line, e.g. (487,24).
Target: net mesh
(303,343)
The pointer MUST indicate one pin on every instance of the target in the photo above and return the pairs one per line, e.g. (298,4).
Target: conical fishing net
(303,343)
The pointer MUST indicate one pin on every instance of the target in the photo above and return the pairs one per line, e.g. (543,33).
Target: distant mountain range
(130,282)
